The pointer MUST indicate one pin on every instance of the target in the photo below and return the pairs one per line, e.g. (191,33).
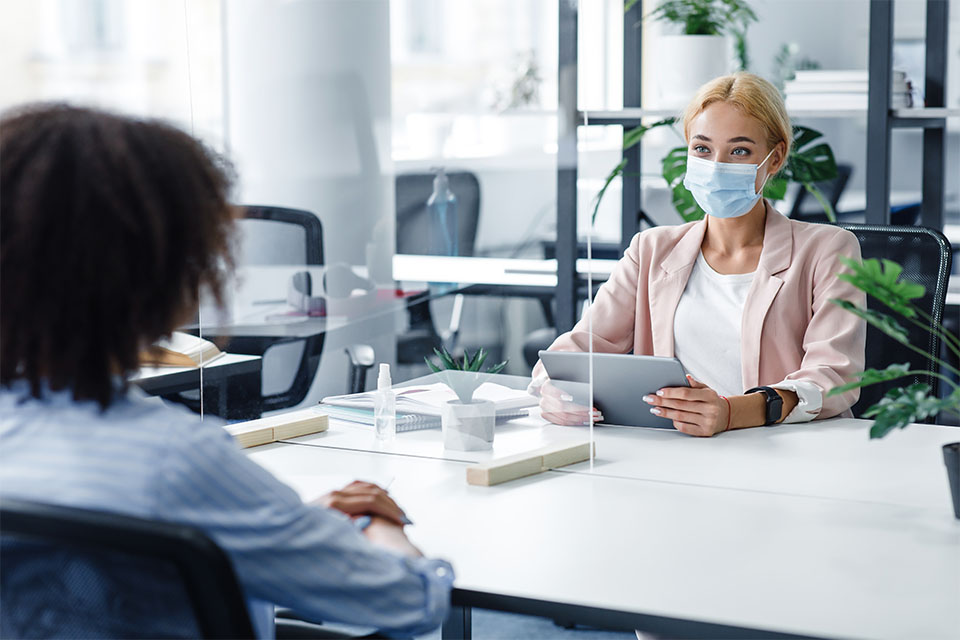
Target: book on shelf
(797,87)
(842,75)
(419,406)
(839,101)
(254,433)
(818,89)
(181,350)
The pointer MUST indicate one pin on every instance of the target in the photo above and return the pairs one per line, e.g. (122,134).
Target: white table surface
(832,459)
(769,561)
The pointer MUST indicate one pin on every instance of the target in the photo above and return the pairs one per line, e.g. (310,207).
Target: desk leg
(457,626)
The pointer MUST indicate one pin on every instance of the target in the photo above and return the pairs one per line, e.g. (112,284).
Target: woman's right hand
(558,407)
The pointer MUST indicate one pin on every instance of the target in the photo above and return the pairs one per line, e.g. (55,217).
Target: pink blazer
(789,331)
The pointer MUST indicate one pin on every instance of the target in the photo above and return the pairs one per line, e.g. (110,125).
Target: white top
(706,337)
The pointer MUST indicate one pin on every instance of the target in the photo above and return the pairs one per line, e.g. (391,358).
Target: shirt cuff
(534,387)
(810,398)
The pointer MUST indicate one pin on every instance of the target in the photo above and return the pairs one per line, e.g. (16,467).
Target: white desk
(832,459)
(679,559)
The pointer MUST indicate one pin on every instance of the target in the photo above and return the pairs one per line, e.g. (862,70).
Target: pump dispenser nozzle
(383,380)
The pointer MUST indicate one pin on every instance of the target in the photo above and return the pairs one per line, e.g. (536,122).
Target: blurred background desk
(231,385)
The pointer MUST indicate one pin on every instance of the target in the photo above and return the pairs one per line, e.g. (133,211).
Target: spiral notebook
(418,407)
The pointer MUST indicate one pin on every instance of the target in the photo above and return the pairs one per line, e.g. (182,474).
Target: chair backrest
(71,572)
(277,235)
(414,225)
(926,258)
(282,236)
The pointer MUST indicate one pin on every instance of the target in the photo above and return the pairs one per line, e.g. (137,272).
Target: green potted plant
(467,424)
(810,161)
(903,405)
(700,51)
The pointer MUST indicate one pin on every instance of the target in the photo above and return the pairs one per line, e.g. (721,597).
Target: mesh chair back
(75,573)
(925,256)
(281,237)
(414,225)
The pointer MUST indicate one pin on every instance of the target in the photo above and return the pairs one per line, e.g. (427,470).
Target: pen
(404,519)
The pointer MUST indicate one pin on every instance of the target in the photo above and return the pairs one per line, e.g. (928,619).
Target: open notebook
(418,407)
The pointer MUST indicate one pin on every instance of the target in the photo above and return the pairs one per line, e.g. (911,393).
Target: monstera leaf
(903,406)
(882,281)
(674,169)
(810,163)
(881,321)
(873,376)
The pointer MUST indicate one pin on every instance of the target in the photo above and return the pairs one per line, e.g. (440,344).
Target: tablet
(619,382)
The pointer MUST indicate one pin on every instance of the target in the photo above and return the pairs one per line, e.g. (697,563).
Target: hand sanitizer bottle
(385,406)
(442,205)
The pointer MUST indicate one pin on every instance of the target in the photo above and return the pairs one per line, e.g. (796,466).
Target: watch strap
(774,404)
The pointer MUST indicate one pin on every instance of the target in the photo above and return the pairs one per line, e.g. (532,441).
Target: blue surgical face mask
(723,189)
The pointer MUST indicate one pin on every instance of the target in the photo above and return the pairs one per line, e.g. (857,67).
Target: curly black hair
(110,227)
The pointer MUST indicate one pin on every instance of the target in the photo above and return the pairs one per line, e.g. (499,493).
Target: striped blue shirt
(143,458)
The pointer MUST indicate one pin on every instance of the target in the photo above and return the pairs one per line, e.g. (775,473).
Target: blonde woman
(741,297)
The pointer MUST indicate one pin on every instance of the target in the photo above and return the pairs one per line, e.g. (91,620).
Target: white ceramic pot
(685,63)
(468,427)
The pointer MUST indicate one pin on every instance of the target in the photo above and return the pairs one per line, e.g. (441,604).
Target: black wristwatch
(774,404)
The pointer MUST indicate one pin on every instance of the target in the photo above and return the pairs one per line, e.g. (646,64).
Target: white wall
(307,104)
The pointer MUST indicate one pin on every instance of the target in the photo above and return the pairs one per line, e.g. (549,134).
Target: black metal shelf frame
(881,120)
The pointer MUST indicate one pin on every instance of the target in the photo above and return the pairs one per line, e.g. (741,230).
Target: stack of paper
(817,89)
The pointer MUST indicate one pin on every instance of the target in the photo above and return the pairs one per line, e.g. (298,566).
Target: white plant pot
(468,427)
(685,63)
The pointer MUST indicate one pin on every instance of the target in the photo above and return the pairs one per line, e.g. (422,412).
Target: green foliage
(631,137)
(903,405)
(878,319)
(470,363)
(708,18)
(809,163)
(881,279)
(873,376)
(703,17)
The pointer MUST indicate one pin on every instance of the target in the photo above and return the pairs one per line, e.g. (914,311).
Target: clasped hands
(364,499)
(696,410)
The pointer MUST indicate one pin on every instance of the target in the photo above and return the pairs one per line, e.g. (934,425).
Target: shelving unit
(881,120)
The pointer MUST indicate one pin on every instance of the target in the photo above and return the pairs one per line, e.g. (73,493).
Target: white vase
(468,426)
(685,63)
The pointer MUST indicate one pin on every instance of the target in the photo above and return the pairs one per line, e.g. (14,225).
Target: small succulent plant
(464,377)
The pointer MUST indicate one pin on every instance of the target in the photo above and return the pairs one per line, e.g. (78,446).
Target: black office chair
(280,236)
(926,259)
(414,228)
(77,573)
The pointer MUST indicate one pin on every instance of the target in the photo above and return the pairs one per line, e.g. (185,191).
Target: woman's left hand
(696,410)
